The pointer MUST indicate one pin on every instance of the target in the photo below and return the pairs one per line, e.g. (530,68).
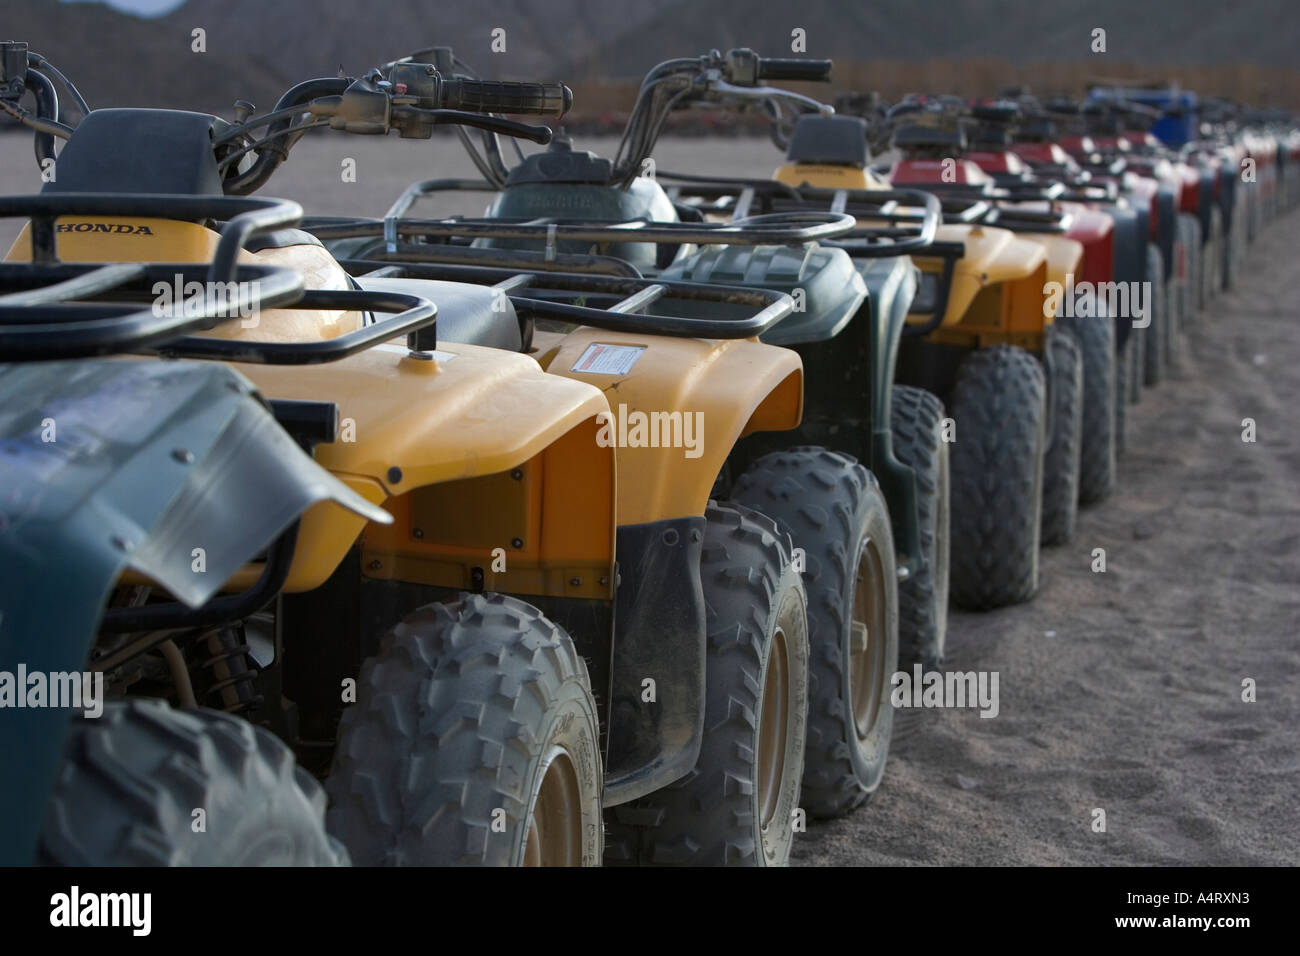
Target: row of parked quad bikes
(374,531)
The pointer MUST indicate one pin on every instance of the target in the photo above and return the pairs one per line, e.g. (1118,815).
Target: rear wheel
(133,781)
(833,509)
(997,477)
(1095,337)
(736,807)
(1061,468)
(474,741)
(915,419)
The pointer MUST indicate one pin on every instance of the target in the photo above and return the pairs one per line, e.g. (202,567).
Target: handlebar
(493,96)
(793,70)
(744,67)
(405,96)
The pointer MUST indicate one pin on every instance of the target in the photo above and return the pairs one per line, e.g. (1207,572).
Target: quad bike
(179,473)
(857,528)
(972,331)
(1084,151)
(1108,147)
(1192,218)
(931,135)
(542,699)
(1016,143)
(855,290)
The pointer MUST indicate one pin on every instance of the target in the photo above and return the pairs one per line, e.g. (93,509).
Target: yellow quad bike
(976,330)
(567,642)
(563,210)
(459,445)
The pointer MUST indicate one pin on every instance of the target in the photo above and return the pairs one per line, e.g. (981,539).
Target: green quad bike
(981,334)
(874,539)
(113,467)
(475,448)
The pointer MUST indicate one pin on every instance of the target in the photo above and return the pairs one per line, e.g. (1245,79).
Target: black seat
(465,312)
(932,137)
(829,141)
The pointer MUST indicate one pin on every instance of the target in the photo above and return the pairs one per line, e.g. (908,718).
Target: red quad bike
(1185,221)
(1224,137)
(1124,134)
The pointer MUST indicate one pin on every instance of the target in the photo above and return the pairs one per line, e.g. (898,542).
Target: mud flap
(1129,261)
(658,637)
(1167,228)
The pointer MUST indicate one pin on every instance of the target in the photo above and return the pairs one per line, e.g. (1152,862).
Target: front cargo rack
(397,238)
(60,310)
(52,310)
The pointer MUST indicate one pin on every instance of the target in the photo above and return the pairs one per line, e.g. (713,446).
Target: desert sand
(1123,691)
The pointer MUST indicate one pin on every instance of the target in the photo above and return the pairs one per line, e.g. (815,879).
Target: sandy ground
(1123,690)
(1119,691)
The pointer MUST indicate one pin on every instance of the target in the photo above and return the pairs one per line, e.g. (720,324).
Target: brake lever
(413,122)
(769,93)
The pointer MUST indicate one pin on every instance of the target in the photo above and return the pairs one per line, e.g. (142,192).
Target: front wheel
(998,407)
(1153,346)
(474,741)
(834,510)
(1095,337)
(147,785)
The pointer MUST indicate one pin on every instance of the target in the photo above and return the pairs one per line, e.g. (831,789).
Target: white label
(608,359)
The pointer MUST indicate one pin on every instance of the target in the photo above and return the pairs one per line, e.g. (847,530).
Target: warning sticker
(608,359)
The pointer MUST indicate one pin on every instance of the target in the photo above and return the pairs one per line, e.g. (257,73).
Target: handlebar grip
(497,96)
(794,70)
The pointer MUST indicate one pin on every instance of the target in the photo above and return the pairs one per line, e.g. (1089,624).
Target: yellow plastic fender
(698,397)
(485,461)
(1064,255)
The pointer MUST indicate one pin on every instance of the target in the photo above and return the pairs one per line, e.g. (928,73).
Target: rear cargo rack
(904,222)
(910,216)
(1004,206)
(621,301)
(55,310)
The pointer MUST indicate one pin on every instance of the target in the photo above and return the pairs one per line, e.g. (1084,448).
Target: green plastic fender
(111,464)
